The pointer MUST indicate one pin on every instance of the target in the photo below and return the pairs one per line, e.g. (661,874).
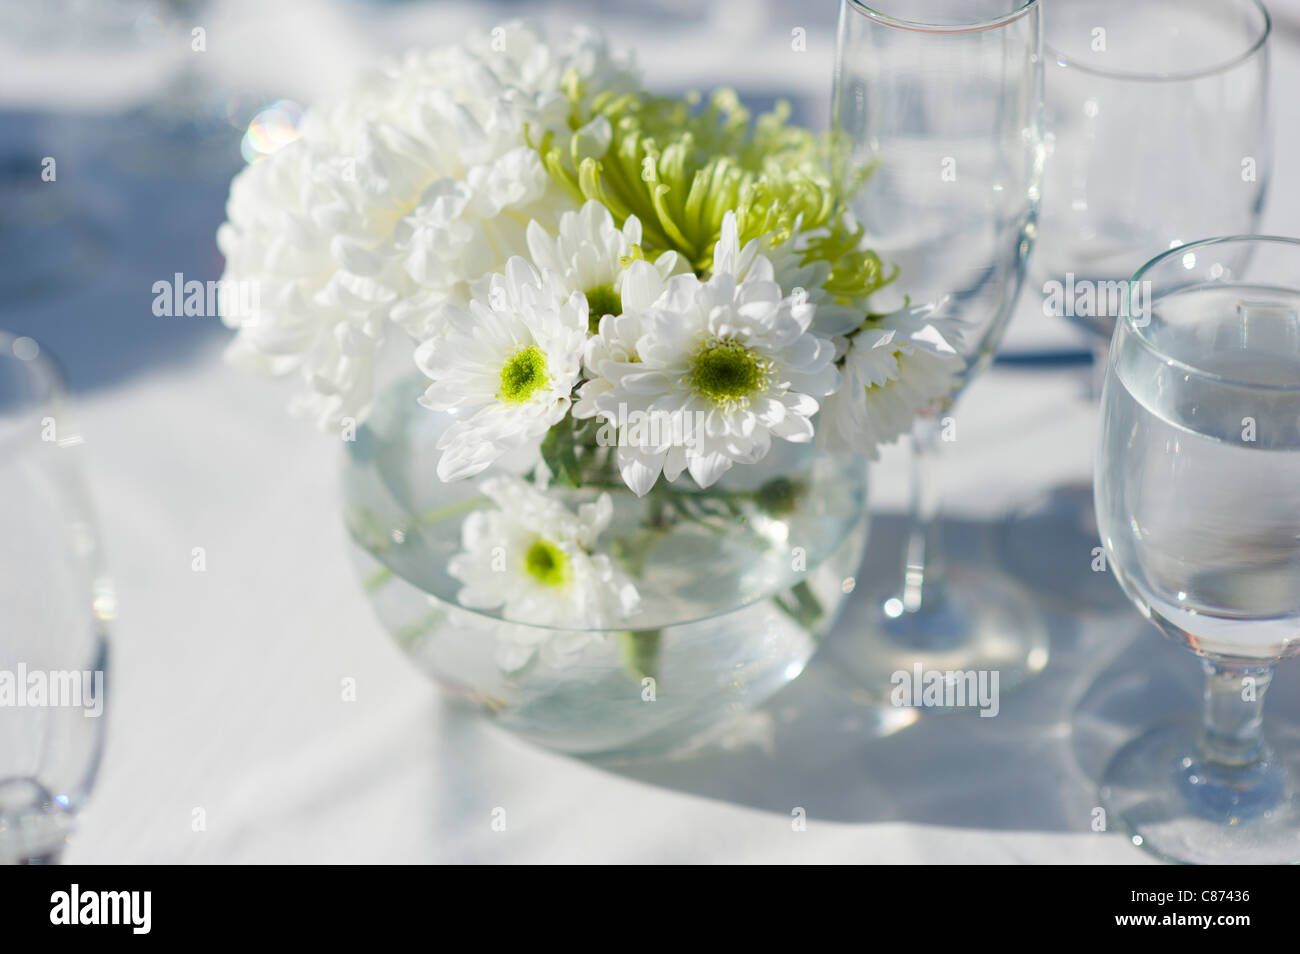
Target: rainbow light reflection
(273,128)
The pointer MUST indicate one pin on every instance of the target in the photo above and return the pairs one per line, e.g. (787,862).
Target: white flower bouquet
(603,288)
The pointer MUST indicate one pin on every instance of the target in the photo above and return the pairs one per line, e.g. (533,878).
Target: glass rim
(918,26)
(52,385)
(47,369)
(1171,77)
(1136,331)
(489,617)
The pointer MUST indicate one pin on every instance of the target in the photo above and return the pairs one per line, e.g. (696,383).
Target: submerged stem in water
(640,651)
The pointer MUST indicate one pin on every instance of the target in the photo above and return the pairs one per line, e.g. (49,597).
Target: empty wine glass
(939,102)
(55,603)
(1191,76)
(1197,469)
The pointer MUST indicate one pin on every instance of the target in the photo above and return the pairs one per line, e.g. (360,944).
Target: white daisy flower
(611,352)
(724,365)
(591,255)
(891,372)
(505,367)
(806,280)
(536,560)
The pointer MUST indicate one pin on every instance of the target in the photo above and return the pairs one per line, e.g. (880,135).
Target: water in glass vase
(1200,513)
(737,585)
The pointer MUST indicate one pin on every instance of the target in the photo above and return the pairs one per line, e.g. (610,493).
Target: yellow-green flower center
(547,563)
(602,301)
(522,375)
(726,372)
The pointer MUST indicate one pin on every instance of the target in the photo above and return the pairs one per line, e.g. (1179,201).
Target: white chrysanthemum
(806,280)
(610,353)
(288,239)
(721,368)
(891,371)
(535,560)
(475,214)
(615,341)
(505,366)
(396,197)
(591,255)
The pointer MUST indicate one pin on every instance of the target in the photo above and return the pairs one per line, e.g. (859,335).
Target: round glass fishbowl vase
(737,584)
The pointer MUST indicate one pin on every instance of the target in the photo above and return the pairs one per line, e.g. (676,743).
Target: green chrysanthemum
(679,168)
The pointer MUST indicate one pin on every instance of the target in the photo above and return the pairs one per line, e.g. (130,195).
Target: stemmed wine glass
(55,605)
(1197,470)
(941,101)
(1157,132)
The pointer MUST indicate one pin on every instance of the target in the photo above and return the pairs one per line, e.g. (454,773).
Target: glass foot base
(33,823)
(1177,807)
(984,625)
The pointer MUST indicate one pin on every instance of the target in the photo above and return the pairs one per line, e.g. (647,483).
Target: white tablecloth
(226,684)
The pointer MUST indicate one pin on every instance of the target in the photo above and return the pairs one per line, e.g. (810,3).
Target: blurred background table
(225,689)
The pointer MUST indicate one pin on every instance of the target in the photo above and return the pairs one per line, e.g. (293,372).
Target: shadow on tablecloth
(124,211)
(823,746)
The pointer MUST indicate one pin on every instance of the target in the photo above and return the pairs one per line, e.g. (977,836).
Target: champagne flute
(1191,76)
(1197,468)
(941,101)
(55,603)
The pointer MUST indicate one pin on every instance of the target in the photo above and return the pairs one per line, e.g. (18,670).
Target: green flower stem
(377,579)
(409,633)
(382,538)
(800,603)
(455,510)
(640,652)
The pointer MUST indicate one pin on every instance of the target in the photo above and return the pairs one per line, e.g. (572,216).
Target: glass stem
(923,556)
(1233,718)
